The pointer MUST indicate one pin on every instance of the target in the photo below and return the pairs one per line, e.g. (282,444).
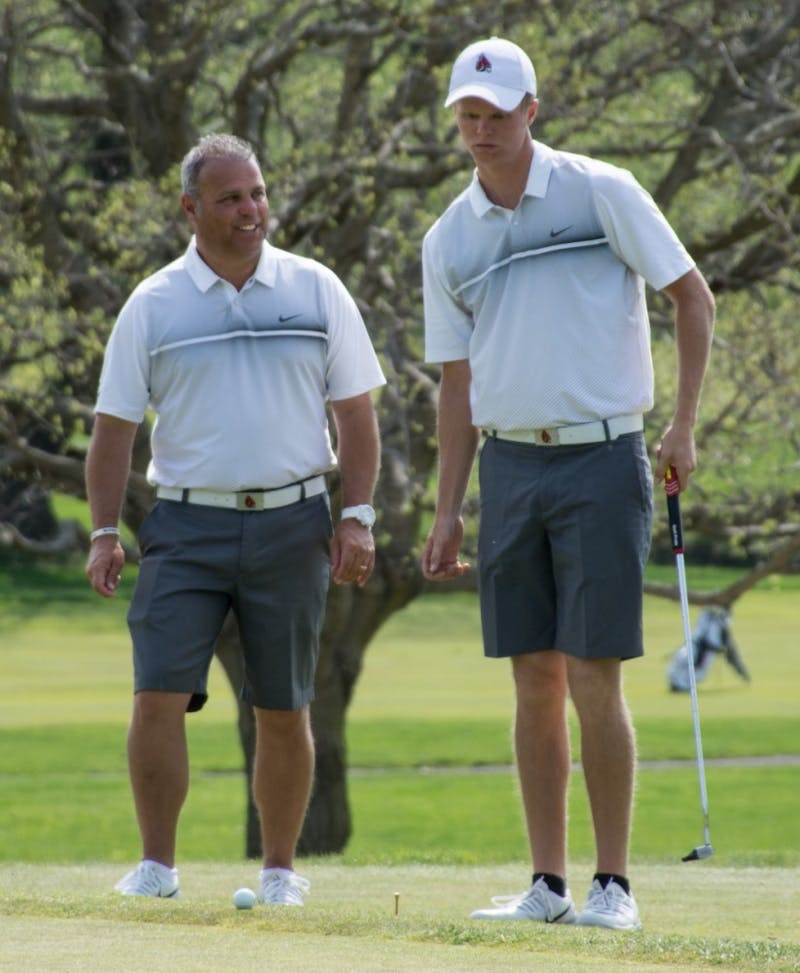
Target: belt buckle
(249,500)
(546,437)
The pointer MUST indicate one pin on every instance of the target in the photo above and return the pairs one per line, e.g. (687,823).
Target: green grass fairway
(428,712)
(61,919)
(435,807)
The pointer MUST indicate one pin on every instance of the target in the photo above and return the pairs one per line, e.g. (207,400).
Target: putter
(672,489)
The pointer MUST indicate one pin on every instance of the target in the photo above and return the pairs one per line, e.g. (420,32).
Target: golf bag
(712,636)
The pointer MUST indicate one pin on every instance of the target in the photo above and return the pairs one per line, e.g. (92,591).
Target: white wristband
(102,531)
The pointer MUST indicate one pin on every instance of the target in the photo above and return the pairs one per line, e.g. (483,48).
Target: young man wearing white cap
(534,294)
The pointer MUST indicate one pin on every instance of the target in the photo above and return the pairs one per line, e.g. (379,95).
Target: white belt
(247,499)
(602,431)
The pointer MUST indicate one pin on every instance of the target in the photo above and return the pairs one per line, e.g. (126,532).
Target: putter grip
(672,490)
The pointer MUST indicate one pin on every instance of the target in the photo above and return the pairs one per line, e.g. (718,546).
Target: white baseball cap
(496,71)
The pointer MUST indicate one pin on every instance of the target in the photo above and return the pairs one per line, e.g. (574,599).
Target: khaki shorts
(563,543)
(270,567)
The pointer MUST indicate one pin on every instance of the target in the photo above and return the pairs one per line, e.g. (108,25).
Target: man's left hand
(352,553)
(676,450)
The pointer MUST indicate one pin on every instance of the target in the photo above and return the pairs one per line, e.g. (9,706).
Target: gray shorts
(564,539)
(271,567)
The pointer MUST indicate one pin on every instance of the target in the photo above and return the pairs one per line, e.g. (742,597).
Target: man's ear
(188,205)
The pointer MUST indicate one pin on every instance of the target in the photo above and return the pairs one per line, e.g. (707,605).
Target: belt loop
(607,430)
(302,490)
(185,495)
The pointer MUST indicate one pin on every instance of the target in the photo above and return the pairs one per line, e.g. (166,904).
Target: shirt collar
(538,178)
(204,278)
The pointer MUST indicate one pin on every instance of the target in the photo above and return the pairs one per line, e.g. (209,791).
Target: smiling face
(494,137)
(229,213)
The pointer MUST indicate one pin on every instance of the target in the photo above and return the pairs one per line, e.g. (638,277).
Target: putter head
(701,851)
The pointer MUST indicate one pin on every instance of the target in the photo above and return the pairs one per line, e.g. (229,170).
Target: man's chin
(248,242)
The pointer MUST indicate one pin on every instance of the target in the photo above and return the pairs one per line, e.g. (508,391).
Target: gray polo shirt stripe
(536,252)
(273,333)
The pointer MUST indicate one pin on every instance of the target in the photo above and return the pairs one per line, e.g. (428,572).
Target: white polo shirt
(547,302)
(238,379)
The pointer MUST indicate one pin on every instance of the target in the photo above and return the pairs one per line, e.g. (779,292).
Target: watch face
(366,516)
(363,513)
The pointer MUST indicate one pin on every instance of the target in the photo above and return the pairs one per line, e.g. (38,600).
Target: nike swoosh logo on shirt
(283,318)
(555,233)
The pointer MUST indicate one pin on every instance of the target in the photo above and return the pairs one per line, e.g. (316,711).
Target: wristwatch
(363,513)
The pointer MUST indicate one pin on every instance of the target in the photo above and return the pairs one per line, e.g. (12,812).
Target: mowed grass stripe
(404,816)
(693,920)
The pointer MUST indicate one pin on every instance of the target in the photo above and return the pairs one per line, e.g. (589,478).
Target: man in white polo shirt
(535,305)
(236,347)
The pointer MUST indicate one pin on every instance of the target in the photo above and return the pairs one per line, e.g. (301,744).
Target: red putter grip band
(672,489)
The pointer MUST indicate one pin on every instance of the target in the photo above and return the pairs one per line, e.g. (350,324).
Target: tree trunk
(352,618)
(228,651)
(26,506)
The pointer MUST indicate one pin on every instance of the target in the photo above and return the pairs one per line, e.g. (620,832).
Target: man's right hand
(104,565)
(440,555)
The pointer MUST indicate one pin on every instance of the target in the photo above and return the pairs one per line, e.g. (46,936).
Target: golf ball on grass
(244,898)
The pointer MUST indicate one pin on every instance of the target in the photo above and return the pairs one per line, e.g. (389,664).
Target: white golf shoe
(611,907)
(281,886)
(538,904)
(150,878)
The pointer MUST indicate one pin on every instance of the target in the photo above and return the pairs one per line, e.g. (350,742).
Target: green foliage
(360,157)
(139,229)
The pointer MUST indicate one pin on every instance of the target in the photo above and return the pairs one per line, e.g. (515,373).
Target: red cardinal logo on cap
(483,64)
